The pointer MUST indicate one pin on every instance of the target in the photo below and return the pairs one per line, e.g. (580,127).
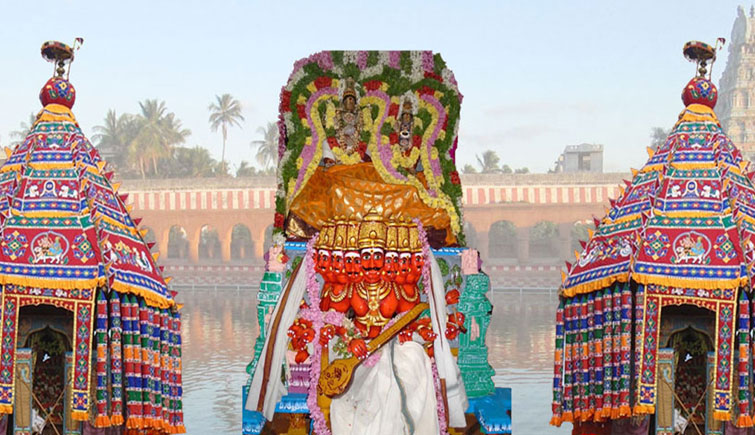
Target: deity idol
(348,122)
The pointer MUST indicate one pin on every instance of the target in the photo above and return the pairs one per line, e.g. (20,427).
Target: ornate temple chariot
(654,325)
(372,311)
(91,334)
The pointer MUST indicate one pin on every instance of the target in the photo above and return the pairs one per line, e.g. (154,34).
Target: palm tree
(245,169)
(469,169)
(114,137)
(658,137)
(489,162)
(267,147)
(158,132)
(225,112)
(24,130)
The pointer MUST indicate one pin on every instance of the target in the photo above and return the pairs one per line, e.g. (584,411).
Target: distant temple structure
(581,158)
(736,105)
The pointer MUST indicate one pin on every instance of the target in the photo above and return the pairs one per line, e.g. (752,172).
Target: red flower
(445,124)
(333,142)
(362,149)
(393,138)
(285,101)
(279,220)
(432,75)
(300,110)
(323,82)
(416,141)
(393,109)
(455,177)
(373,85)
(426,90)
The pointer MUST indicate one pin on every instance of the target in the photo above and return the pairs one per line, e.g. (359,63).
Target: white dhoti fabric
(395,396)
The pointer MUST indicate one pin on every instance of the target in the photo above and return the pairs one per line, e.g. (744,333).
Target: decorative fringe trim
(66,164)
(605,412)
(102,421)
(6,409)
(614,413)
(116,420)
(151,298)
(556,421)
(177,429)
(744,421)
(67,284)
(568,417)
(80,415)
(644,409)
(586,415)
(709,284)
(697,113)
(722,415)
(626,411)
(588,287)
(55,113)
(134,423)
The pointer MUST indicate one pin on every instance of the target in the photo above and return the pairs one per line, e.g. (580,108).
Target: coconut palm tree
(114,136)
(267,147)
(19,135)
(157,133)
(225,112)
(489,162)
(469,169)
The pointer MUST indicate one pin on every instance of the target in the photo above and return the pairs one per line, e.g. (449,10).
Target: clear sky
(536,75)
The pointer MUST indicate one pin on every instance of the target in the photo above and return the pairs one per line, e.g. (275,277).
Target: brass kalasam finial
(60,55)
(701,53)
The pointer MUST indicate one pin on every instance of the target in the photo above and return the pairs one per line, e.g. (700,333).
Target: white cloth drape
(395,396)
(444,359)
(275,388)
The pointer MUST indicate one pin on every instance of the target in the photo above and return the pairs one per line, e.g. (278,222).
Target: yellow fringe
(11,168)
(594,285)
(116,420)
(66,164)
(614,413)
(744,421)
(556,421)
(625,411)
(707,284)
(693,165)
(568,417)
(102,421)
(61,283)
(653,168)
(697,113)
(150,297)
(50,213)
(6,409)
(644,409)
(134,423)
(722,415)
(55,112)
(605,412)
(586,415)
(80,415)
(178,429)
(687,214)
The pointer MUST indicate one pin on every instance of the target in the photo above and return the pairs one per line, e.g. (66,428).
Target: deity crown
(372,231)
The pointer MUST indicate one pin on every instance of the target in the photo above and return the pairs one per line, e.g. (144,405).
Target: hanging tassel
(744,419)
(165,365)
(116,360)
(100,333)
(626,359)
(157,399)
(178,420)
(608,374)
(145,350)
(133,367)
(568,360)
(639,305)
(558,365)
(598,348)
(590,348)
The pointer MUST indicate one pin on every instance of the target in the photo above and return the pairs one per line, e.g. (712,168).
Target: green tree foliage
(658,137)
(468,169)
(24,128)
(225,112)
(267,147)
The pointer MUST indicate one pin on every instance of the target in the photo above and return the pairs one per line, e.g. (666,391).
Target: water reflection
(219,330)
